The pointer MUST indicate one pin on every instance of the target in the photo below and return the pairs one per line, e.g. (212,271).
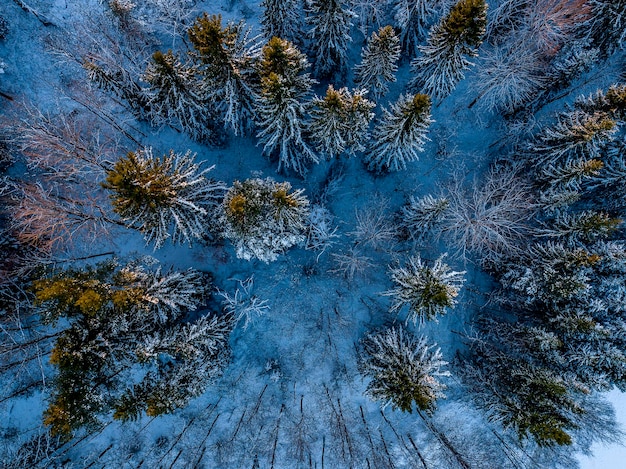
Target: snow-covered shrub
(400,134)
(403,369)
(427,290)
(509,78)
(351,263)
(320,230)
(281,107)
(374,229)
(379,62)
(164,197)
(419,216)
(331,21)
(440,65)
(491,219)
(226,55)
(263,219)
(243,304)
(339,121)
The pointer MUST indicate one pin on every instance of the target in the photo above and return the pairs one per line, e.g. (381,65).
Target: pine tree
(611,103)
(226,55)
(443,59)
(369,13)
(427,291)
(421,215)
(607,25)
(115,314)
(329,35)
(163,197)
(403,370)
(588,225)
(174,97)
(282,107)
(570,174)
(340,120)
(576,134)
(263,218)
(379,62)
(281,18)
(400,134)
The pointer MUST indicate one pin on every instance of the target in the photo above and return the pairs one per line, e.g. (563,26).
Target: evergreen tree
(369,13)
(588,225)
(263,218)
(571,174)
(379,62)
(403,370)
(282,107)
(227,56)
(340,120)
(400,134)
(426,290)
(174,97)
(420,215)
(112,312)
(443,59)
(329,35)
(611,103)
(607,25)
(163,197)
(281,18)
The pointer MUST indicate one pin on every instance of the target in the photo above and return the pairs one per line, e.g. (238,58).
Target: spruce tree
(226,55)
(329,35)
(164,197)
(285,86)
(114,311)
(403,369)
(427,290)
(339,121)
(400,134)
(412,18)
(421,215)
(174,97)
(281,18)
(443,59)
(264,218)
(379,62)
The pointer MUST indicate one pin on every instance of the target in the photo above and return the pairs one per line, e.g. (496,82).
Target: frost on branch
(263,219)
(400,134)
(243,305)
(419,216)
(163,197)
(403,370)
(427,290)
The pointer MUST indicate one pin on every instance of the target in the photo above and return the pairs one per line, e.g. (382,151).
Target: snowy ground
(292,396)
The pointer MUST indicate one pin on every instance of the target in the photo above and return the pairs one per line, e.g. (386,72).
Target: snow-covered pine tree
(330,22)
(339,121)
(164,197)
(400,134)
(379,62)
(576,133)
(369,13)
(263,219)
(413,18)
(427,290)
(612,102)
(113,312)
(226,56)
(441,62)
(403,369)
(588,225)
(282,105)
(174,97)
(419,216)
(281,18)
(570,174)
(607,25)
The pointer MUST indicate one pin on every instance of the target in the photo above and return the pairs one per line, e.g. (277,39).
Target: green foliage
(210,40)
(466,22)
